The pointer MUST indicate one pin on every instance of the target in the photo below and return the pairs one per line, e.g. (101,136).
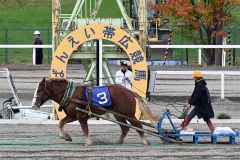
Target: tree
(201,21)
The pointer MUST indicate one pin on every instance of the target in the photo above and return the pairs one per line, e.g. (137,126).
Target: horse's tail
(146,112)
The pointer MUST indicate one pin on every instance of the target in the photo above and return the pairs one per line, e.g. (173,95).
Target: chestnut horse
(123,102)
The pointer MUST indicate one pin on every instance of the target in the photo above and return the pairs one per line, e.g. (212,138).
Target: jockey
(124,76)
(201,100)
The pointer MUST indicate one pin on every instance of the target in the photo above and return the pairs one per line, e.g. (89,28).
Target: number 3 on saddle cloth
(100,96)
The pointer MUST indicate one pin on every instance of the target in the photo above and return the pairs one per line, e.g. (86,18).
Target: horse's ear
(43,79)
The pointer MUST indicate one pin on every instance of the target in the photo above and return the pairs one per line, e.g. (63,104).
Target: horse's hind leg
(123,128)
(63,134)
(84,126)
(141,134)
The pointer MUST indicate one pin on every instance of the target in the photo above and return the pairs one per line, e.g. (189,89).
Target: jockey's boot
(210,126)
(185,123)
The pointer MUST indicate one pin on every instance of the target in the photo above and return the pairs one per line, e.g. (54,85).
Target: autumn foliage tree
(201,21)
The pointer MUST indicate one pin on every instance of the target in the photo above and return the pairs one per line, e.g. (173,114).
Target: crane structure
(137,19)
(79,37)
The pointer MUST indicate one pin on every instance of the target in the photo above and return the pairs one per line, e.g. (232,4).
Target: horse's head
(41,95)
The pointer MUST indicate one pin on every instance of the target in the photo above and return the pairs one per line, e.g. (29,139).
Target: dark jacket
(201,100)
(39,52)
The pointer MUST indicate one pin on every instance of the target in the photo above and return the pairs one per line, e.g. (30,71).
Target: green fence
(23,36)
(190,56)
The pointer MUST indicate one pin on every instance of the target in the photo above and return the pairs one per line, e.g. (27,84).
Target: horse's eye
(39,90)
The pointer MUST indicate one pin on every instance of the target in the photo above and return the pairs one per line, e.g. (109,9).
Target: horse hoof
(67,137)
(88,144)
(146,143)
(144,140)
(119,142)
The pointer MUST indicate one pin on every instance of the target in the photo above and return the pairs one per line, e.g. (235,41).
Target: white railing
(220,73)
(199,47)
(194,46)
(27,46)
(28,107)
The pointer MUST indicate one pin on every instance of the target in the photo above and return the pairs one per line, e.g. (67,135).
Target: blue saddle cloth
(100,96)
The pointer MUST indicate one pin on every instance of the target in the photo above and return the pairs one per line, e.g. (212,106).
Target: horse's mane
(57,80)
(65,80)
(84,85)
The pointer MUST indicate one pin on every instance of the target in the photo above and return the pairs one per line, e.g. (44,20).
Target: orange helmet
(197,74)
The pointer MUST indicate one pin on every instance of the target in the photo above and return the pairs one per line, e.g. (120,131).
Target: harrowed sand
(39,139)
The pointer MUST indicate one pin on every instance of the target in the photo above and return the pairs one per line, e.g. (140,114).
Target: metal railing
(219,73)
(8,46)
(23,36)
(199,47)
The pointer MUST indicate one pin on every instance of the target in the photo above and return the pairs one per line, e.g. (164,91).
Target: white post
(199,56)
(100,62)
(34,56)
(222,85)
(224,52)
(223,58)
(152,81)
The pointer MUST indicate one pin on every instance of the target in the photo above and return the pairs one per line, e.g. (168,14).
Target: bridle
(47,92)
(44,91)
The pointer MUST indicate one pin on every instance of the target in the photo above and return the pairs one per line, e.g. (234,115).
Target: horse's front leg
(84,125)
(62,122)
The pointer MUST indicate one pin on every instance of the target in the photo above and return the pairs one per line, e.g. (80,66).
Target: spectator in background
(124,76)
(39,52)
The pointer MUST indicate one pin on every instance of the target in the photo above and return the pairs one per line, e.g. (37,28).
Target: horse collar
(71,87)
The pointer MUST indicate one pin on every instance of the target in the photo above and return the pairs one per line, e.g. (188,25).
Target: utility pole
(142,12)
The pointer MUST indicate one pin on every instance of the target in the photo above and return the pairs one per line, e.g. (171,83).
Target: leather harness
(70,89)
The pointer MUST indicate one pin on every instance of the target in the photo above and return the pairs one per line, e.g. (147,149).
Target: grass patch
(21,23)
(223,116)
(18,24)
